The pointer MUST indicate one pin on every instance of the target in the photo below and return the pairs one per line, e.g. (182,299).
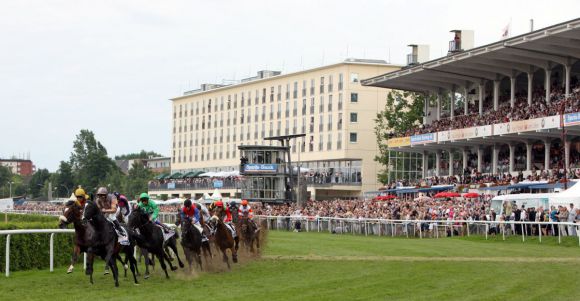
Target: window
(321,107)
(295,92)
(320,142)
(304,88)
(339,141)
(304,106)
(340,81)
(312,87)
(353,97)
(311,105)
(340,121)
(321,124)
(329,142)
(329,122)
(354,77)
(322,84)
(353,117)
(329,103)
(353,137)
(330,83)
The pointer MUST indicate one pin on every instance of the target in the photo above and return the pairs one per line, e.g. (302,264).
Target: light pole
(67,190)
(10,194)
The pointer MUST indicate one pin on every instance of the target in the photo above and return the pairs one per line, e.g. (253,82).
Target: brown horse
(250,234)
(223,240)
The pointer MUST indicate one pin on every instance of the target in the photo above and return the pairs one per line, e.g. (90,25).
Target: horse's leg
(226,259)
(160,255)
(74,258)
(235,250)
(145,254)
(112,261)
(166,256)
(89,270)
(132,263)
(187,254)
(173,245)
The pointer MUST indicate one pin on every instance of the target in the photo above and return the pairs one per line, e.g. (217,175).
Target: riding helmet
(102,190)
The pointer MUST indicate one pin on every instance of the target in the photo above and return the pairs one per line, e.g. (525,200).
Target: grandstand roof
(543,48)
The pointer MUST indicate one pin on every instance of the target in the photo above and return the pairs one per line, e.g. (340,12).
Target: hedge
(32,251)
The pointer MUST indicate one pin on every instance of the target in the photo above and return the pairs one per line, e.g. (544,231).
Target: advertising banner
(572,119)
(400,141)
(423,138)
(260,168)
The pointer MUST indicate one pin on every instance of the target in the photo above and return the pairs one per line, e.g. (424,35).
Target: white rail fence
(52,232)
(379,227)
(422,228)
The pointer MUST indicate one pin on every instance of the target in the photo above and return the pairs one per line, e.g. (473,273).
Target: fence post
(523,229)
(52,252)
(420,231)
(467,225)
(540,232)
(85,261)
(7,255)
(559,234)
(486,230)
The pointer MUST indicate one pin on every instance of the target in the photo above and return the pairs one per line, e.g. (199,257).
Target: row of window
(229,102)
(206,154)
(231,135)
(247,118)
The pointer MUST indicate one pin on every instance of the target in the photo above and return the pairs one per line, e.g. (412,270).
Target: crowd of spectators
(197,182)
(505,113)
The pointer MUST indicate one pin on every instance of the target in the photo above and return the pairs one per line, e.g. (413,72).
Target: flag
(505,33)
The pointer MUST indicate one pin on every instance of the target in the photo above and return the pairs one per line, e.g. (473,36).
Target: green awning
(161,176)
(197,173)
(189,174)
(176,175)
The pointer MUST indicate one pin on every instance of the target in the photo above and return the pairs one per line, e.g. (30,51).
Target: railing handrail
(34,231)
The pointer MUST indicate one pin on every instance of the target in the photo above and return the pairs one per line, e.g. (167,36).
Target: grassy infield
(320,266)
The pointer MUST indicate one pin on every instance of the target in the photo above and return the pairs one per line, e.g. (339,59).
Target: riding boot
(123,239)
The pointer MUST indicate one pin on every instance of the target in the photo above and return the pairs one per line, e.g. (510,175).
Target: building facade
(328,104)
(19,166)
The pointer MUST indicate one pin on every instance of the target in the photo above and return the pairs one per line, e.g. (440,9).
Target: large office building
(327,104)
(23,167)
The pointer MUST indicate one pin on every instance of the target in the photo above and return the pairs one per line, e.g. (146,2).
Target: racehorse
(150,239)
(250,233)
(72,213)
(224,240)
(191,242)
(97,236)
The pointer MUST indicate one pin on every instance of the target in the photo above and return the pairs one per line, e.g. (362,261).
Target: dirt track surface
(428,259)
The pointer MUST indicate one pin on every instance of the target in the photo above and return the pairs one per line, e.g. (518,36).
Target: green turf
(335,279)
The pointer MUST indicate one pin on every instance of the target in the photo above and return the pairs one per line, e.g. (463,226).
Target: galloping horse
(150,239)
(95,235)
(224,240)
(250,233)
(191,242)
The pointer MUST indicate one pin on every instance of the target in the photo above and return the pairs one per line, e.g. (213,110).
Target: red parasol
(471,195)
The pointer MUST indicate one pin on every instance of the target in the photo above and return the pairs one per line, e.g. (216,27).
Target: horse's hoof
(126,267)
(106,272)
(174,268)
(116,284)
(181,265)
(70,270)
(136,283)
(146,276)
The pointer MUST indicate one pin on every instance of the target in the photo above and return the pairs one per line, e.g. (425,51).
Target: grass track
(331,272)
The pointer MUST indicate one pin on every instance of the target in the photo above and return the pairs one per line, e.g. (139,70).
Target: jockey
(228,217)
(191,212)
(152,210)
(107,202)
(123,208)
(204,212)
(246,211)
(81,197)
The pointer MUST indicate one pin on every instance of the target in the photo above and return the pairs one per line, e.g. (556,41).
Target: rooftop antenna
(531,25)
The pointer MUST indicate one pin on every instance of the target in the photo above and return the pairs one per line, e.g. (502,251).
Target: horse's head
(214,220)
(71,213)
(138,218)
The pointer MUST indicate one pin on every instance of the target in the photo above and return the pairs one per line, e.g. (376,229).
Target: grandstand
(497,108)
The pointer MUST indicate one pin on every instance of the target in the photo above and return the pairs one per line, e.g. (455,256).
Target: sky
(112,66)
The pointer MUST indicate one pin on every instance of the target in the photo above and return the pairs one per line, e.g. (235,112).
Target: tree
(89,161)
(137,180)
(141,155)
(5,175)
(64,179)
(403,111)
(38,181)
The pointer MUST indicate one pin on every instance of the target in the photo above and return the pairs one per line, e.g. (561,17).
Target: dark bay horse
(223,240)
(95,235)
(191,242)
(72,213)
(150,240)
(250,233)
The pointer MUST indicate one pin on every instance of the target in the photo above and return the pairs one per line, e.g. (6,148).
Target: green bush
(32,251)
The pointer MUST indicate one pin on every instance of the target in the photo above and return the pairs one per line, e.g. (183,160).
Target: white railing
(9,233)
(419,228)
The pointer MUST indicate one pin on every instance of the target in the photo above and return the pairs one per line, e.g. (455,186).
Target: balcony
(412,59)
(454,46)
